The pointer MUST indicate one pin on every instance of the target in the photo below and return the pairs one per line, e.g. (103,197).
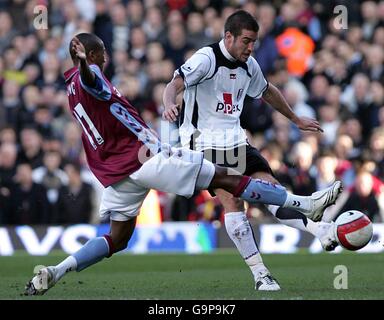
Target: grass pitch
(220,275)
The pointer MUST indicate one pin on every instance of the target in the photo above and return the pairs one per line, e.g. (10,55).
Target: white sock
(256,265)
(272,208)
(67,265)
(311,226)
(240,231)
(294,202)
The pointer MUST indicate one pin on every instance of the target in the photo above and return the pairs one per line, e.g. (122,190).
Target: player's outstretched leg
(92,252)
(324,231)
(311,206)
(260,191)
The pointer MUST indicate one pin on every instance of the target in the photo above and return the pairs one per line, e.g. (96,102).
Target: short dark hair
(90,42)
(76,166)
(240,20)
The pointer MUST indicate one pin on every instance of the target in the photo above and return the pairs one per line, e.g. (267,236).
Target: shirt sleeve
(101,90)
(196,69)
(258,83)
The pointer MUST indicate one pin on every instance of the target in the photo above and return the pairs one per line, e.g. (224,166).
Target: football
(353,230)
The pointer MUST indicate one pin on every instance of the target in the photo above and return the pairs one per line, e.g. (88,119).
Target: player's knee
(232,204)
(121,232)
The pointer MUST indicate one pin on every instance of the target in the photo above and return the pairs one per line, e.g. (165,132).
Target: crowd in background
(326,67)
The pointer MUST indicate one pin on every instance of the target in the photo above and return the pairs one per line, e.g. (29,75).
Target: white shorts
(173,170)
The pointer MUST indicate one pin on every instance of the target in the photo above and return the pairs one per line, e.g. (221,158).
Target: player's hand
(171,112)
(79,49)
(308,124)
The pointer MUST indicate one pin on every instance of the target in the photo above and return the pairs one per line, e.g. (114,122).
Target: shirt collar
(70,72)
(225,51)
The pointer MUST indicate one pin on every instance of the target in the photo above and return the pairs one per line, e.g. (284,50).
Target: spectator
(370,18)
(138,44)
(326,165)
(196,30)
(282,132)
(29,103)
(352,127)
(214,29)
(272,153)
(43,120)
(51,72)
(8,156)
(29,204)
(72,147)
(52,178)
(296,96)
(7,32)
(177,44)
(153,24)
(332,98)
(75,199)
(344,151)
(11,101)
(103,25)
(266,51)
(307,18)
(135,13)
(376,144)
(364,197)
(330,122)
(319,88)
(374,63)
(302,157)
(7,135)
(31,147)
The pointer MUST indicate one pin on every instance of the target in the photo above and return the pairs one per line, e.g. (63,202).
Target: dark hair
(90,42)
(327,152)
(240,20)
(75,166)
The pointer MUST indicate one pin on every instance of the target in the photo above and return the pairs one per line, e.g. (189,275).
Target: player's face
(100,57)
(241,47)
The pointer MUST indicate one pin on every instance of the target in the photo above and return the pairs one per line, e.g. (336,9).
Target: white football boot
(41,282)
(327,235)
(265,282)
(322,200)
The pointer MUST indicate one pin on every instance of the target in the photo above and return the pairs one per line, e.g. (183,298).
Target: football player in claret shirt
(216,80)
(129,160)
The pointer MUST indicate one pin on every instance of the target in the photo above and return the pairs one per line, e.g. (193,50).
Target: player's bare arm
(87,75)
(171,91)
(274,97)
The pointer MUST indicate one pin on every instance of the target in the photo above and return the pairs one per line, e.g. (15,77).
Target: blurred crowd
(327,65)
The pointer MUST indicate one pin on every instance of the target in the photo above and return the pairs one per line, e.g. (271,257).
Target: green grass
(221,275)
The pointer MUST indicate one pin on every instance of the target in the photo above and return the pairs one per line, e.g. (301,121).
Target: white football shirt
(215,87)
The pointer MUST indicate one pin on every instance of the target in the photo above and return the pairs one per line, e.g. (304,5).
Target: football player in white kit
(215,81)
